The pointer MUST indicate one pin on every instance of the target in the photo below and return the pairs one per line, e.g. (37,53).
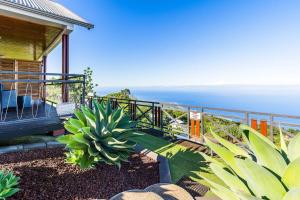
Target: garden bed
(45,175)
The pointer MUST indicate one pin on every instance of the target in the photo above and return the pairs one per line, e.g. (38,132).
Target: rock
(169,191)
(136,194)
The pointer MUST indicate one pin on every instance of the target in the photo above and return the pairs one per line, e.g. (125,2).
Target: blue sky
(186,42)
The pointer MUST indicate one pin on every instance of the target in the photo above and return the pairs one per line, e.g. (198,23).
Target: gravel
(45,175)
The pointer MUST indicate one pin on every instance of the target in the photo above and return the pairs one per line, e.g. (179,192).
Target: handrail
(120,99)
(159,116)
(38,81)
(231,110)
(40,73)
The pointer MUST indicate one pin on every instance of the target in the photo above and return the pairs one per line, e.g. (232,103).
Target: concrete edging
(164,169)
(28,147)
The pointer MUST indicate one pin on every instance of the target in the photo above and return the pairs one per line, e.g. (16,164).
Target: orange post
(254,124)
(192,130)
(198,128)
(264,127)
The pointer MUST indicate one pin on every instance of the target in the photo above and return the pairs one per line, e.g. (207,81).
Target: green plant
(261,170)
(101,134)
(77,89)
(8,184)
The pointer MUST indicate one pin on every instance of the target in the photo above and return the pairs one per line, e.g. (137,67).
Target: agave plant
(261,170)
(101,134)
(8,184)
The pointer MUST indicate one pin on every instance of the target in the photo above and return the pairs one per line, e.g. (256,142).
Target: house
(29,31)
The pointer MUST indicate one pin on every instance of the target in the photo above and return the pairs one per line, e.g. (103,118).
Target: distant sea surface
(274,99)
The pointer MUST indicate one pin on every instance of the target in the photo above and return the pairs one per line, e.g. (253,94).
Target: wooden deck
(30,122)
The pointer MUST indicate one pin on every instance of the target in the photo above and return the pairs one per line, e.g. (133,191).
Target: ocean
(273,99)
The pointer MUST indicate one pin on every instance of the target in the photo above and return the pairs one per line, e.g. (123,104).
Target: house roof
(48,8)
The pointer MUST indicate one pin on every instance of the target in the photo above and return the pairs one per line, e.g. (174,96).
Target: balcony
(36,98)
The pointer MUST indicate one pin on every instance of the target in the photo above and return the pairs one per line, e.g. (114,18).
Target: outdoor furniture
(1,88)
(24,101)
(8,98)
(27,101)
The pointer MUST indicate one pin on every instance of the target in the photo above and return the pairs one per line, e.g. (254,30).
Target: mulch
(45,175)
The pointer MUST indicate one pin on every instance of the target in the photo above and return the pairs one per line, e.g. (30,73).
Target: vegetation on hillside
(123,94)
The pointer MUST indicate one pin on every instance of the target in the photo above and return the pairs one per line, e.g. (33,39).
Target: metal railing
(193,122)
(37,95)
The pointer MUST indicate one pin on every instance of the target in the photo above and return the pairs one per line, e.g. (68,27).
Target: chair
(1,88)
(8,98)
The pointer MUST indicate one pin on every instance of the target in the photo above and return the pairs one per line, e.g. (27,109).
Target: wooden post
(254,124)
(65,66)
(153,115)
(192,132)
(198,128)
(271,127)
(202,123)
(158,116)
(44,78)
(264,127)
(16,76)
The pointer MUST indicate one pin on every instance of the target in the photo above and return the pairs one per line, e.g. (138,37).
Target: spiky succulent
(261,170)
(101,134)
(8,184)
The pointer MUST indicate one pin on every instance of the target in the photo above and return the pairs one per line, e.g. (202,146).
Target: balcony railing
(194,122)
(27,95)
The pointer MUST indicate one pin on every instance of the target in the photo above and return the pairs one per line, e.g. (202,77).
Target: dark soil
(45,175)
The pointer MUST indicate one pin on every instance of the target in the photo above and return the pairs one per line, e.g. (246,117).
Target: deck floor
(42,110)
(31,122)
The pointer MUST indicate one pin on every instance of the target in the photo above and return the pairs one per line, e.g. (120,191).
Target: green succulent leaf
(294,148)
(235,183)
(261,181)
(8,184)
(247,130)
(64,139)
(71,128)
(291,175)
(238,151)
(221,191)
(282,142)
(80,116)
(226,155)
(293,194)
(76,123)
(266,155)
(212,160)
(245,196)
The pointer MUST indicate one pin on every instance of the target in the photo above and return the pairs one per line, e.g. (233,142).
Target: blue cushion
(27,101)
(1,88)
(9,99)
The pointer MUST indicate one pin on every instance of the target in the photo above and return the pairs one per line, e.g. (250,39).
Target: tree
(76,89)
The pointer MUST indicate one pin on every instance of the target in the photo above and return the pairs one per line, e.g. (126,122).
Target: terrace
(183,137)
(29,31)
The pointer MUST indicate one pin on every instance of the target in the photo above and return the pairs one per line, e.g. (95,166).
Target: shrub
(101,134)
(261,170)
(8,184)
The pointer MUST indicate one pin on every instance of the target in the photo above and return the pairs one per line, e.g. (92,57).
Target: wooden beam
(65,66)
(44,77)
